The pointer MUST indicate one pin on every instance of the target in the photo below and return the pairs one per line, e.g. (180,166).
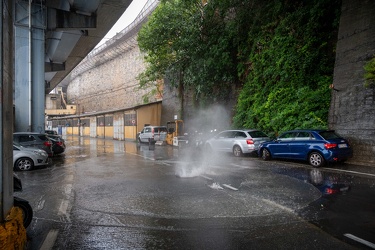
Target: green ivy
(370,73)
(292,58)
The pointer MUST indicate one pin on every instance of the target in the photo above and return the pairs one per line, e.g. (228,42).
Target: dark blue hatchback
(315,146)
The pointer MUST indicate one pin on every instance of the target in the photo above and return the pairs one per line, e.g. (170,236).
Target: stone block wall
(352,110)
(111,84)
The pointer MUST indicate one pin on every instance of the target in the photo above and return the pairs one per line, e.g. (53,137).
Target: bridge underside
(51,38)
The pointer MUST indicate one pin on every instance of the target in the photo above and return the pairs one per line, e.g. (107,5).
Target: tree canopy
(279,54)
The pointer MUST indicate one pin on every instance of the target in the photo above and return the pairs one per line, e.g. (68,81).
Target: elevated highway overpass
(51,38)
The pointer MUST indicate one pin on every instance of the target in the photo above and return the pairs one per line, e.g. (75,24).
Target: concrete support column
(6,107)
(29,100)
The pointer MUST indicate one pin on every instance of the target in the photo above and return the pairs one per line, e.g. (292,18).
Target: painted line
(40,205)
(147,158)
(230,187)
(349,171)
(277,205)
(63,207)
(49,241)
(68,189)
(362,241)
(206,177)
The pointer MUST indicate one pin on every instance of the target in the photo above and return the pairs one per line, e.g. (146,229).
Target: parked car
(315,146)
(34,140)
(58,144)
(152,134)
(238,142)
(26,158)
(50,132)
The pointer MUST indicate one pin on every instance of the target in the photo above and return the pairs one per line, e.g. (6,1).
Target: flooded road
(105,194)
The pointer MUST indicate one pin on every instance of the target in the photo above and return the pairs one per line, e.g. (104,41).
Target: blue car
(315,146)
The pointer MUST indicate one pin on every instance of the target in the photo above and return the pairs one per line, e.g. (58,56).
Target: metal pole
(2,172)
(30,81)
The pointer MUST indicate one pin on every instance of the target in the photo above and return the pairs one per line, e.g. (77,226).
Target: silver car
(237,141)
(26,158)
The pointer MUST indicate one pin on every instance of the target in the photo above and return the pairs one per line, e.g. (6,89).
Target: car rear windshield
(43,137)
(257,134)
(327,135)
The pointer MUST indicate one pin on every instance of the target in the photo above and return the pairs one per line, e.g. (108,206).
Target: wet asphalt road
(105,194)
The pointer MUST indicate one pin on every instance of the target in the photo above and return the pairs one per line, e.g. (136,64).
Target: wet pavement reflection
(108,194)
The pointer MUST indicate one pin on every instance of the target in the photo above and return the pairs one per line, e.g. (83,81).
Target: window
(109,120)
(302,136)
(26,138)
(257,134)
(226,134)
(130,119)
(287,136)
(240,134)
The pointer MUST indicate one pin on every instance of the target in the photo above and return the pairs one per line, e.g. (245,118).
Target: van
(152,134)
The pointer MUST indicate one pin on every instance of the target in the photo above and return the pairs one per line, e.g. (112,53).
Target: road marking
(230,187)
(349,171)
(68,189)
(206,177)
(362,241)
(147,158)
(63,210)
(40,205)
(49,241)
(277,205)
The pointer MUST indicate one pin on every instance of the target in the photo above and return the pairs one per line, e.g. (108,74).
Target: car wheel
(24,164)
(266,155)
(316,159)
(237,151)
(27,211)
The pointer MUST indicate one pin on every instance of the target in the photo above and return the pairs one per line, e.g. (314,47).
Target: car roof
(242,129)
(307,130)
(28,133)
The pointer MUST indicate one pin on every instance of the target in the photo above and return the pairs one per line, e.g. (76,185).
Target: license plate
(344,145)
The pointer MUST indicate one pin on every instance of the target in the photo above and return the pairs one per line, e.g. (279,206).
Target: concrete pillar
(6,107)
(29,95)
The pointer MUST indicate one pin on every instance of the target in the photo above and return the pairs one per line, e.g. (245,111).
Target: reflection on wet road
(105,194)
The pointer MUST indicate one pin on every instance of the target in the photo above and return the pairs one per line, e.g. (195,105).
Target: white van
(153,134)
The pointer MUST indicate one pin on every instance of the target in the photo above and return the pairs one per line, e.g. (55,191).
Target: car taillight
(249,141)
(59,143)
(47,143)
(330,145)
(330,191)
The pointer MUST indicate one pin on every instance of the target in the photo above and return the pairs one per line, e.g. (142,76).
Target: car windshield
(329,135)
(257,134)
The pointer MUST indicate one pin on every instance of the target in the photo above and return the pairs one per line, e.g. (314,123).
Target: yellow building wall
(75,131)
(100,131)
(86,131)
(150,114)
(109,132)
(69,130)
(130,132)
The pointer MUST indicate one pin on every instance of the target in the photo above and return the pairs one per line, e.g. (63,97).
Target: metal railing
(117,45)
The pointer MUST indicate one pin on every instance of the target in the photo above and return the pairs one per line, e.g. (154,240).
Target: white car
(238,142)
(26,158)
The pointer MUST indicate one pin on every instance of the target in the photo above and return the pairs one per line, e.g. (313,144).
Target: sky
(127,18)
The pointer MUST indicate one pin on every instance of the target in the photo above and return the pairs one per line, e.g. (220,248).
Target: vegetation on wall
(278,53)
(370,73)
